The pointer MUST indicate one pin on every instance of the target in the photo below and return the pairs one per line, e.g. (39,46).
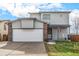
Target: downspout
(58,33)
(20,23)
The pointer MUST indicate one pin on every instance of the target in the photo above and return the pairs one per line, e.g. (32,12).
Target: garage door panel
(32,35)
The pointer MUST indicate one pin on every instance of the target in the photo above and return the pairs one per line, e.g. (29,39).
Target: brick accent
(9,31)
(45,30)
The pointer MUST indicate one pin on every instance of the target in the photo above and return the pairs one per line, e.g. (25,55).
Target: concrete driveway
(17,49)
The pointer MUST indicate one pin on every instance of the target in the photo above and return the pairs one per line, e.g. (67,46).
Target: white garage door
(28,35)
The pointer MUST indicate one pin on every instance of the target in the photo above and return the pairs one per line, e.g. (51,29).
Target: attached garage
(27,30)
(28,35)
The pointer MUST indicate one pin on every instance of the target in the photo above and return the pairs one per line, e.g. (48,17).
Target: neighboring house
(5,30)
(58,23)
(28,30)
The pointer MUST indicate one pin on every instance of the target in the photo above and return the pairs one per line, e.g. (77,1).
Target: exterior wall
(2,26)
(45,20)
(36,15)
(28,35)
(56,18)
(23,24)
(38,24)
(54,34)
(16,24)
(59,34)
(27,23)
(59,18)
(63,33)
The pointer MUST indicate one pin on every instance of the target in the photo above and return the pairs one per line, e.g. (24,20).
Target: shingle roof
(19,19)
(52,12)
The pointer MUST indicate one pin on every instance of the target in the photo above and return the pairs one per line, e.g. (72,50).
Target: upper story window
(46,16)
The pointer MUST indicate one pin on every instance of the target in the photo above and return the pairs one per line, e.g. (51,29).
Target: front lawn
(63,48)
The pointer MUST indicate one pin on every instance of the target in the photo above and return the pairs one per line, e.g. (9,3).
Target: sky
(12,9)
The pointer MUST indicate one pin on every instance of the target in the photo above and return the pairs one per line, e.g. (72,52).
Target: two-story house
(58,23)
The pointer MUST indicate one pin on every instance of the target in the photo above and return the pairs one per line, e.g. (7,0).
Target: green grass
(63,48)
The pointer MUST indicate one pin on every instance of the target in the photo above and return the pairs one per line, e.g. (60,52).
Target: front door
(49,34)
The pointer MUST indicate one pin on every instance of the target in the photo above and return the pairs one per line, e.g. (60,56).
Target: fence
(74,38)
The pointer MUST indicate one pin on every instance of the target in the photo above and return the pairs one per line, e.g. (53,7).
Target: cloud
(39,1)
(22,9)
(50,6)
(74,15)
(56,5)
(28,1)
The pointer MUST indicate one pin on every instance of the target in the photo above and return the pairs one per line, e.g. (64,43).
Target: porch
(58,32)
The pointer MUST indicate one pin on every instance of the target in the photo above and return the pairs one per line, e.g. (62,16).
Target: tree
(74,22)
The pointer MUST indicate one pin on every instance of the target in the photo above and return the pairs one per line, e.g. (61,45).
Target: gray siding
(59,18)
(36,15)
(16,24)
(45,20)
(59,35)
(23,24)
(38,24)
(27,23)
(56,18)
